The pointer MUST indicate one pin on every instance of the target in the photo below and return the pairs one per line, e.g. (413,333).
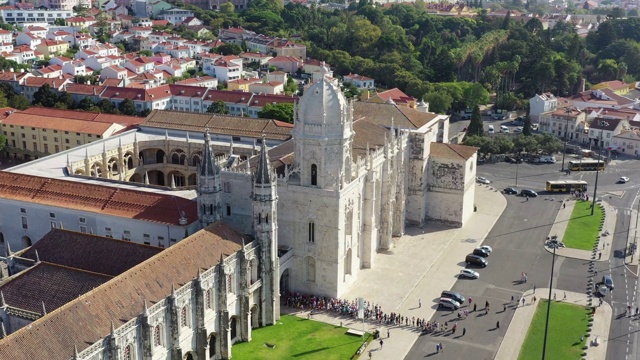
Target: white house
(175,16)
(360,81)
(540,104)
(268,87)
(29,39)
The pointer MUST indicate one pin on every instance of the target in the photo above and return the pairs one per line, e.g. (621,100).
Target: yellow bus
(579,165)
(566,185)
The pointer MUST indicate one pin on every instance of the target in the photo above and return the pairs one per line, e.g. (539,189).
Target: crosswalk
(626,212)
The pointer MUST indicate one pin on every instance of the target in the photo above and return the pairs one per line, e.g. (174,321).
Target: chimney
(583,84)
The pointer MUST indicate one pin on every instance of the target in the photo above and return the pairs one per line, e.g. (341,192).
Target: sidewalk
(632,258)
(560,226)
(423,263)
(519,325)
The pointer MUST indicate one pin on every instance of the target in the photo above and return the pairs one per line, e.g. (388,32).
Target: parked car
(510,191)
(480,252)
(528,193)
(518,129)
(470,274)
(453,295)
(476,260)
(483,180)
(623,180)
(603,290)
(607,281)
(486,248)
(448,303)
(519,121)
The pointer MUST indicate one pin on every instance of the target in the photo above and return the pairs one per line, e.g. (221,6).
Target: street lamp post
(546,325)
(566,130)
(595,187)
(517,164)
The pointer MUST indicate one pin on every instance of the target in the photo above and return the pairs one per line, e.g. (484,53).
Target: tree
(45,96)
(475,94)
(227,8)
(86,104)
(65,101)
(218,107)
(146,53)
(549,143)
(283,112)
(19,102)
(127,107)
(106,106)
(476,127)
(230,48)
(439,101)
(503,144)
(525,143)
(526,129)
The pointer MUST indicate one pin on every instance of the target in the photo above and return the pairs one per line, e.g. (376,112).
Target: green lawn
(297,338)
(567,323)
(583,228)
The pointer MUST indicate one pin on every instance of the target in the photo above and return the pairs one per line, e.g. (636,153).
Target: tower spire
(208,167)
(262,171)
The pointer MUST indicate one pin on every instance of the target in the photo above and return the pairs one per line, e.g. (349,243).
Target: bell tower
(208,187)
(323,133)
(265,231)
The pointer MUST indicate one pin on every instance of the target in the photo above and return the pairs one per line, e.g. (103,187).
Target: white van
(547,159)
(491,130)
(504,129)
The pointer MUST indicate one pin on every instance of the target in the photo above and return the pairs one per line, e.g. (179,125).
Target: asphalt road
(517,247)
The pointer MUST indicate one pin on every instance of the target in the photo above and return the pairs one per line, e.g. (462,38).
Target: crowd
(372,312)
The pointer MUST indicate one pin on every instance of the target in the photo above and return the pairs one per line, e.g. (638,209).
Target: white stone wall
(445,196)
(39,224)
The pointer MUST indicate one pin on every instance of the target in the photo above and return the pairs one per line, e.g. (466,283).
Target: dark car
(480,252)
(513,160)
(528,193)
(453,295)
(510,191)
(476,260)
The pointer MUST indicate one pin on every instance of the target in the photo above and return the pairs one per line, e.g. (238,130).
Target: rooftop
(89,252)
(95,198)
(121,298)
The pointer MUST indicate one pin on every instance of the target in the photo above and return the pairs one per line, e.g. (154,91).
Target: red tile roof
(55,285)
(153,94)
(88,318)
(89,252)
(56,123)
(85,115)
(100,199)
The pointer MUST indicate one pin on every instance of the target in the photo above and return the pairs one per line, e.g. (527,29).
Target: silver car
(448,303)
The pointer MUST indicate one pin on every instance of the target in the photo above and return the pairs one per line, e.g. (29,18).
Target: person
(388,333)
(534,299)
(534,289)
(527,198)
(497,324)
(419,303)
(438,348)
(474,307)
(464,331)
(441,347)
(370,355)
(381,343)
(523,301)
(564,205)
(504,307)
(565,296)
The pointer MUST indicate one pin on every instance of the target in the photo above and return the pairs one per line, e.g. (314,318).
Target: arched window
(157,336)
(128,353)
(312,231)
(310,269)
(314,175)
(347,263)
(266,219)
(184,319)
(253,271)
(207,299)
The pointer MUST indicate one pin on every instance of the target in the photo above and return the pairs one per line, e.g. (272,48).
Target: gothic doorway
(26,242)
(255,317)
(284,283)
(189,357)
(233,324)
(212,346)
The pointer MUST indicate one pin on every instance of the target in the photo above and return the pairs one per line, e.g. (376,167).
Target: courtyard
(298,338)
